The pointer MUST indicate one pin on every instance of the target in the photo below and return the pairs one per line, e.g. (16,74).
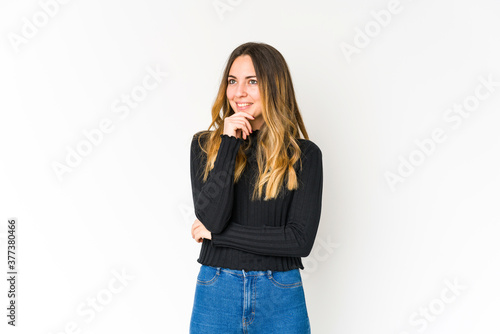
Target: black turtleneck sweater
(255,235)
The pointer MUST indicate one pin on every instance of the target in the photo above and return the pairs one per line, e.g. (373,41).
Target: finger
(245,127)
(241,126)
(198,238)
(247,123)
(195,227)
(245,114)
(241,121)
(201,232)
(197,230)
(248,126)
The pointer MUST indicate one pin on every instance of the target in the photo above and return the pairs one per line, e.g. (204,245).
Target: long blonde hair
(278,150)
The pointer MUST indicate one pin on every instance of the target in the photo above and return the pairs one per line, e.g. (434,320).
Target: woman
(257,190)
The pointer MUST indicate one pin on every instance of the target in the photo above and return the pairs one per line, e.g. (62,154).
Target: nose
(241,90)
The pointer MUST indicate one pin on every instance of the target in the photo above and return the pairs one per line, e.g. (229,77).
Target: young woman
(257,191)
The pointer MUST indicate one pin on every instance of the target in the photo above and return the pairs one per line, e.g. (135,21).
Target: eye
(230,81)
(253,81)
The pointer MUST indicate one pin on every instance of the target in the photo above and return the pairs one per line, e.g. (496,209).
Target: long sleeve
(213,199)
(296,237)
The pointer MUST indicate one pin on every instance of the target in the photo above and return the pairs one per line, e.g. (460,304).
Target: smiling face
(243,90)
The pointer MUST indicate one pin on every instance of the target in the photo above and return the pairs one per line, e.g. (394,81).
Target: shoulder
(199,138)
(201,134)
(310,165)
(198,144)
(309,148)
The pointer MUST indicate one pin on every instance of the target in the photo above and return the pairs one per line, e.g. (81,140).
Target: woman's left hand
(199,231)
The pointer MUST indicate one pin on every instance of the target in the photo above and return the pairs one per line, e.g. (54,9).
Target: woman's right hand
(237,125)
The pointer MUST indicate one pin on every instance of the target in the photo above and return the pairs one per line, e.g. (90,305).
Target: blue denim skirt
(231,301)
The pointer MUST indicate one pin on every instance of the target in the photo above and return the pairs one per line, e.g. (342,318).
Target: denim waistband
(243,272)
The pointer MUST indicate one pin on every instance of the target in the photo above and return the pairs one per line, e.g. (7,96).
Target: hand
(199,231)
(237,125)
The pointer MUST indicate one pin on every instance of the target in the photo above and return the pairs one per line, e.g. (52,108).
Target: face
(243,90)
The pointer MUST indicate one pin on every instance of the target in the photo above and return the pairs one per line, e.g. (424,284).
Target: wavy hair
(278,149)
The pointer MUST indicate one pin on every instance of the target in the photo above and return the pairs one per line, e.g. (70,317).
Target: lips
(243,105)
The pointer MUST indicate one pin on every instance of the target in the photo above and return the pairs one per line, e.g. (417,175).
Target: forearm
(295,240)
(213,199)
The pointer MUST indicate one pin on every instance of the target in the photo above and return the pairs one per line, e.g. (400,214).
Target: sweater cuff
(232,138)
(228,148)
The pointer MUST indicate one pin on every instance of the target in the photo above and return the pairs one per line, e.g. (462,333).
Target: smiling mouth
(242,105)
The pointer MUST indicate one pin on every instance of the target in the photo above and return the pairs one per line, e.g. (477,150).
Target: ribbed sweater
(255,235)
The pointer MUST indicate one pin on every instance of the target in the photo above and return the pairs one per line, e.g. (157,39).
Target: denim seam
(211,281)
(252,303)
(283,285)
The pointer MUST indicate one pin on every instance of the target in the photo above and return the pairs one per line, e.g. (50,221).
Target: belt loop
(243,270)
(269,273)
(218,270)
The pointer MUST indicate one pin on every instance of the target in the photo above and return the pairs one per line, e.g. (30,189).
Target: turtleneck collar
(253,136)
(252,140)
(254,132)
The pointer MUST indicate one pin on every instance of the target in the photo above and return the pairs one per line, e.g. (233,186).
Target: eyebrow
(250,76)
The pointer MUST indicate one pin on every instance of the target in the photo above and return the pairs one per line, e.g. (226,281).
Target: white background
(384,256)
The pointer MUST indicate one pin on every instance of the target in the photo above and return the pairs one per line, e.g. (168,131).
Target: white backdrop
(99,102)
